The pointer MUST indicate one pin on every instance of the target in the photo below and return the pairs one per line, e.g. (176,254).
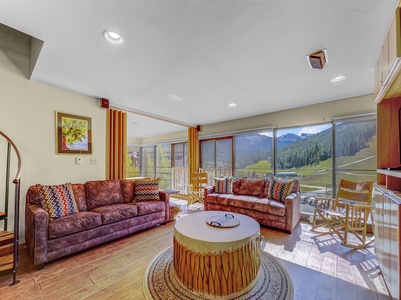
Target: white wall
(27,116)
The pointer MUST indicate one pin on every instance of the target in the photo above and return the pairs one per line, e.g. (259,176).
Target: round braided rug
(160,282)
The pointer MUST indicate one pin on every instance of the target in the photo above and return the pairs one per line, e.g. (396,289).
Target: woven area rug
(160,282)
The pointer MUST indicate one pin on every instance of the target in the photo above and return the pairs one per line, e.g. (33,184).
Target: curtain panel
(116,144)
(193,151)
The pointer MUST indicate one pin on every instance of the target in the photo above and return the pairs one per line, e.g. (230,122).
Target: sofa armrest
(36,233)
(293,210)
(166,198)
(206,191)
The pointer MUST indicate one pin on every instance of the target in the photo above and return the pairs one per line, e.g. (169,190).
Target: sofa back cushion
(236,185)
(103,192)
(253,187)
(128,188)
(80,196)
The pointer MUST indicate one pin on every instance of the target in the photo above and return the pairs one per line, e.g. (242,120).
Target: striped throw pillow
(147,190)
(279,189)
(57,200)
(223,185)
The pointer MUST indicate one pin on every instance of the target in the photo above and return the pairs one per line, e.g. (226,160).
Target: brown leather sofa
(106,212)
(249,197)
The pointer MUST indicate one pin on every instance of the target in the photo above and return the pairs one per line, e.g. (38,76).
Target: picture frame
(73,134)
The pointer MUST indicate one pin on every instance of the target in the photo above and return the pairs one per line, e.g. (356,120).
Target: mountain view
(295,151)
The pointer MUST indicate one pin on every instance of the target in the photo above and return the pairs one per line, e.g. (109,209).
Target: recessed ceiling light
(338,78)
(231,105)
(112,37)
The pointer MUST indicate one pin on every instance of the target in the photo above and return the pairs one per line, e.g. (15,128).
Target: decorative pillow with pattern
(279,189)
(58,200)
(147,190)
(223,185)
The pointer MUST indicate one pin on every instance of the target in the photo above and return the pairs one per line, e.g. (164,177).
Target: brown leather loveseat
(270,201)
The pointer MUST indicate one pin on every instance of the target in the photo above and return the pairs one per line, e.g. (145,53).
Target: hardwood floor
(320,268)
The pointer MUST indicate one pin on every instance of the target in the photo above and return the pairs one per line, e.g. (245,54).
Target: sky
(311,129)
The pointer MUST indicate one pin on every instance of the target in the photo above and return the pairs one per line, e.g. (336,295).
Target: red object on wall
(104,103)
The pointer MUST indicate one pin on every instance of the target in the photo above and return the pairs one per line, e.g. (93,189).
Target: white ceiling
(205,53)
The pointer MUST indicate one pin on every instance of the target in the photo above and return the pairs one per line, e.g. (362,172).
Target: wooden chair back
(354,193)
(198,180)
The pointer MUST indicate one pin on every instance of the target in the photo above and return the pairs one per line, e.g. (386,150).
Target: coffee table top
(195,227)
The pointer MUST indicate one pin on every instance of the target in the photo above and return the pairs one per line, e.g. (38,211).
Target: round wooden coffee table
(216,261)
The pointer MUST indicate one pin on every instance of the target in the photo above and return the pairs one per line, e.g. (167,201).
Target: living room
(28,118)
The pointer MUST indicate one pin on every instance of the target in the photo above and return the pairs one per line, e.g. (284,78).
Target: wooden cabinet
(387,75)
(388,194)
(388,191)
(387,233)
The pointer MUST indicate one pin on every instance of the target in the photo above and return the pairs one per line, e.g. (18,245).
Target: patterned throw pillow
(223,185)
(58,200)
(147,190)
(279,189)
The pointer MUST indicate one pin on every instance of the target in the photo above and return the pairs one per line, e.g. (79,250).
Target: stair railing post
(16,231)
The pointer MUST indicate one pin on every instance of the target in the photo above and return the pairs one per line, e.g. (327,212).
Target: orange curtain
(193,151)
(116,144)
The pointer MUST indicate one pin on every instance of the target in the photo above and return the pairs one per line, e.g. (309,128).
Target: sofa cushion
(128,188)
(58,200)
(223,185)
(272,207)
(73,223)
(148,207)
(221,199)
(253,187)
(103,192)
(116,212)
(237,185)
(80,196)
(279,189)
(147,190)
(243,201)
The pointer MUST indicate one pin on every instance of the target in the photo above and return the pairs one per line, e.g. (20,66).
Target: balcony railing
(179,177)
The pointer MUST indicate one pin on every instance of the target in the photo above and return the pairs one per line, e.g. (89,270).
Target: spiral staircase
(9,238)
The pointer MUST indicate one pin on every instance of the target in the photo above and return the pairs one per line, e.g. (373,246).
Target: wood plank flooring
(320,268)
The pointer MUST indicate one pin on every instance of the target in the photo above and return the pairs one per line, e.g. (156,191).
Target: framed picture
(73,134)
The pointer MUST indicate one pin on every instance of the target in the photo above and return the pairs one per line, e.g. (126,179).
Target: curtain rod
(154,116)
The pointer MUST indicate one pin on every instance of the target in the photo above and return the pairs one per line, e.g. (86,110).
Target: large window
(355,149)
(318,156)
(180,155)
(163,165)
(217,154)
(133,161)
(254,155)
(148,161)
(305,153)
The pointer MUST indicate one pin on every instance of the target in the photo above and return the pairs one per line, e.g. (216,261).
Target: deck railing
(179,177)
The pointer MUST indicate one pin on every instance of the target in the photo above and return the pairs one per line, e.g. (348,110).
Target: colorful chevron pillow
(58,200)
(279,189)
(223,185)
(147,190)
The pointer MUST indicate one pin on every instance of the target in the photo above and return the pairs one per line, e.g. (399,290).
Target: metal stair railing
(17,183)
